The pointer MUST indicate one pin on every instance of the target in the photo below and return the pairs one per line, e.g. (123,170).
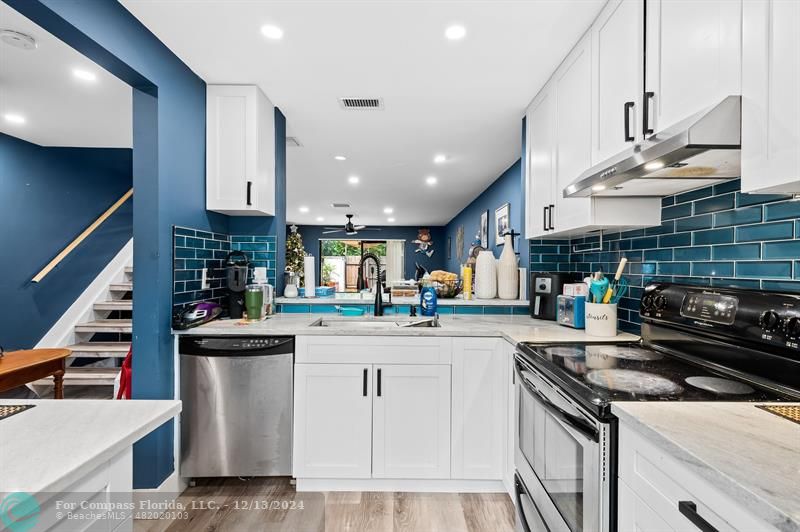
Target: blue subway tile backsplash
(195,250)
(714,236)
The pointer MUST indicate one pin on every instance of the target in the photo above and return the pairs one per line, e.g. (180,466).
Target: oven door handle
(521,490)
(576,423)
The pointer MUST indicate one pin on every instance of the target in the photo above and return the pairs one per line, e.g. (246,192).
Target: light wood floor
(331,511)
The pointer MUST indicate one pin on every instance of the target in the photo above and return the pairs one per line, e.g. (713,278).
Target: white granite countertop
(751,455)
(367,299)
(50,446)
(513,328)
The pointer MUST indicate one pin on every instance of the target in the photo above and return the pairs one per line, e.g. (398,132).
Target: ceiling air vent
(292,142)
(361,104)
(340,205)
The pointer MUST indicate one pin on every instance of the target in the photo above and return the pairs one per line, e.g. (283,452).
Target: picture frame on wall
(484,230)
(502,223)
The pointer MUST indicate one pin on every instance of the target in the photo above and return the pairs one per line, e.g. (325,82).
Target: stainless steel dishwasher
(237,405)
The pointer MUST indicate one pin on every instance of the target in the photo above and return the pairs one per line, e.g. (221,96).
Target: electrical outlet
(204,284)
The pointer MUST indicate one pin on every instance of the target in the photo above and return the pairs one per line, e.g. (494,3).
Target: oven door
(561,455)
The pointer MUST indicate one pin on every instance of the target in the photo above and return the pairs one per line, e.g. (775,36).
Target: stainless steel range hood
(699,151)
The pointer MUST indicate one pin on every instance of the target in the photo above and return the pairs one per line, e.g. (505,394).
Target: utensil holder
(601,319)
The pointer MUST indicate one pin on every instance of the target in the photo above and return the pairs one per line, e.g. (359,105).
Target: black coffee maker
(237,266)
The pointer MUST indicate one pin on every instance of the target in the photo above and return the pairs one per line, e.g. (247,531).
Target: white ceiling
(59,109)
(462,98)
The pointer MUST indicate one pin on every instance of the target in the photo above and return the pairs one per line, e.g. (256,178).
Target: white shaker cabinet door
(540,178)
(479,406)
(771,96)
(573,153)
(694,51)
(411,426)
(617,46)
(332,421)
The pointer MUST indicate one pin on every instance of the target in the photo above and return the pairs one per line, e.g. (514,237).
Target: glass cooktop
(603,373)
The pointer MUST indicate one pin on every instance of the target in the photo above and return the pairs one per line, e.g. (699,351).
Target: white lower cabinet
(411,421)
(479,407)
(332,421)
(658,492)
(387,410)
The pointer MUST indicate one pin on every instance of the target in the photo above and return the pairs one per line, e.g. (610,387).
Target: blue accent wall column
(169,182)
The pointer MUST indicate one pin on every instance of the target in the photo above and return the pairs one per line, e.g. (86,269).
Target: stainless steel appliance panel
(237,415)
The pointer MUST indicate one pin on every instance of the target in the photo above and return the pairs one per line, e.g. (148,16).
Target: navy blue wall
(505,189)
(169,182)
(313,233)
(47,197)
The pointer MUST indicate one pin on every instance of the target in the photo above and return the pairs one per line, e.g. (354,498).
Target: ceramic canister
(507,271)
(485,276)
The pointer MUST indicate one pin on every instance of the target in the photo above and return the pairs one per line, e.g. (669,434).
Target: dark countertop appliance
(698,344)
(236,266)
(544,291)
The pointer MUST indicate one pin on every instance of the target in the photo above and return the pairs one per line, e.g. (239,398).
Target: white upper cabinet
(573,145)
(240,151)
(693,58)
(618,48)
(560,148)
(771,96)
(540,142)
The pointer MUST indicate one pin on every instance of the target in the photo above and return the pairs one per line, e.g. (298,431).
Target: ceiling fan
(349,228)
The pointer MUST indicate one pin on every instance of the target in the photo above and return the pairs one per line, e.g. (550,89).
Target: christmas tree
(294,252)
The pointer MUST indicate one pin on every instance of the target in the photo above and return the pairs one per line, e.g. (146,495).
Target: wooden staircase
(106,338)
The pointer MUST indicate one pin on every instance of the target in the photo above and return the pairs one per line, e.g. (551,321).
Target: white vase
(507,272)
(485,276)
(290,290)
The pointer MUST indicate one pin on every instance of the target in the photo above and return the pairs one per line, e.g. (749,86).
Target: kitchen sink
(375,323)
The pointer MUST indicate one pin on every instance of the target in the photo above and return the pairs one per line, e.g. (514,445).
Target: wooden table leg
(58,381)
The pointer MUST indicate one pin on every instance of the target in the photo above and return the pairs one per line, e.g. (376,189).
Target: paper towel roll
(309,282)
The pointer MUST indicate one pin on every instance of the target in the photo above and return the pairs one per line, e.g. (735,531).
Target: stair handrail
(81,237)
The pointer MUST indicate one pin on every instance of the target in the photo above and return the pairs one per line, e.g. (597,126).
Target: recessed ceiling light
(439,159)
(271,31)
(14,119)
(388,210)
(303,209)
(390,220)
(353,180)
(598,188)
(431,180)
(655,165)
(84,75)
(455,32)
(340,157)
(320,219)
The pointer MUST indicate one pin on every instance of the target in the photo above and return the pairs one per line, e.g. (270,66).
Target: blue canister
(427,301)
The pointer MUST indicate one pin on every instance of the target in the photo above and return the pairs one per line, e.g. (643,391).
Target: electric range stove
(697,344)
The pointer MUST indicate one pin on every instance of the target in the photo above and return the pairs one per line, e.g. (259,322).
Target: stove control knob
(661,302)
(769,320)
(647,301)
(793,327)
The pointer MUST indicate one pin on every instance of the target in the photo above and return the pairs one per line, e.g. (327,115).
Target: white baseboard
(172,486)
(62,332)
(406,485)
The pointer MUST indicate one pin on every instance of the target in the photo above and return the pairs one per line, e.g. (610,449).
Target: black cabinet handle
(249,191)
(379,383)
(550,217)
(627,118)
(364,392)
(544,218)
(648,97)
(689,510)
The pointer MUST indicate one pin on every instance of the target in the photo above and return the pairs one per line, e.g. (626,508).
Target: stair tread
(120,304)
(128,269)
(105,326)
(99,349)
(86,376)
(125,285)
